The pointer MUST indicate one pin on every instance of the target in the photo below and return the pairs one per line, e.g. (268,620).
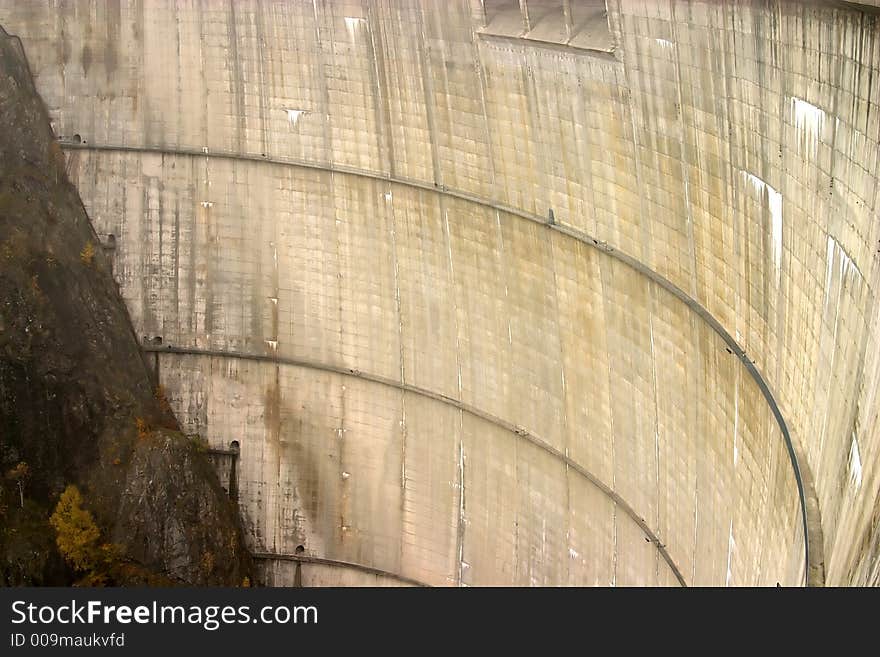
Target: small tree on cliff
(79,540)
(77,533)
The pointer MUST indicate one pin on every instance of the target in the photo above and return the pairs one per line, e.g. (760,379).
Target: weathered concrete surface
(463,395)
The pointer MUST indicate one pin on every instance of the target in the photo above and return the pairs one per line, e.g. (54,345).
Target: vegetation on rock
(79,540)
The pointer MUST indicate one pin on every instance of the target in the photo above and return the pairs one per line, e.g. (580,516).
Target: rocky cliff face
(77,402)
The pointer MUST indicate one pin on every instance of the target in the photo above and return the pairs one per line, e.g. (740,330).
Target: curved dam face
(495,292)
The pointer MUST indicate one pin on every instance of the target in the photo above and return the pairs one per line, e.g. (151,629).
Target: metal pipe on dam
(500,292)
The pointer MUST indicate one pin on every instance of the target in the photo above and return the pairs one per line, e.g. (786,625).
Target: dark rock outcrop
(77,402)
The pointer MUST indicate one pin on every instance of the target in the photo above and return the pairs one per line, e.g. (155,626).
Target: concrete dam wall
(496,292)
